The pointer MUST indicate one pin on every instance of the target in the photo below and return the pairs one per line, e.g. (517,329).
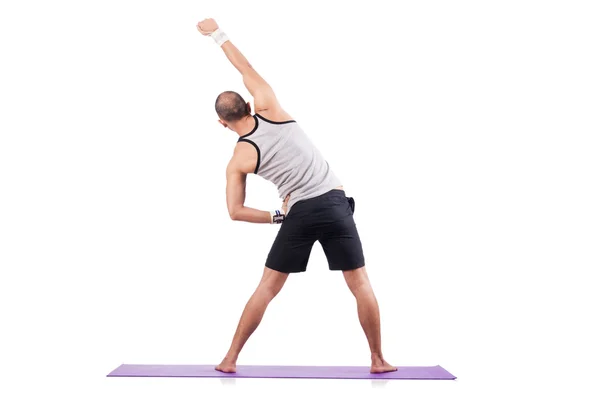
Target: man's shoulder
(275,116)
(244,157)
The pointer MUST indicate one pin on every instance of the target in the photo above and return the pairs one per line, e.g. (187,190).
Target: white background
(466,131)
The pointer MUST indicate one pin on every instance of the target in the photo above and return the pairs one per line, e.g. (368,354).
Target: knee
(271,283)
(269,290)
(357,280)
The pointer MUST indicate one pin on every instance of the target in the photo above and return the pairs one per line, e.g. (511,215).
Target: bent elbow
(234,214)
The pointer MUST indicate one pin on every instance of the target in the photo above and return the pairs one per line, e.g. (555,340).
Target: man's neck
(245,126)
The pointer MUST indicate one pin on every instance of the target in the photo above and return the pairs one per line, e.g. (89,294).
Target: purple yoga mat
(271,371)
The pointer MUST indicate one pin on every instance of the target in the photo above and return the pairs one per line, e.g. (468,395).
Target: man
(273,146)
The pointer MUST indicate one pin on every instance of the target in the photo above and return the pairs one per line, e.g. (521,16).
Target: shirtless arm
(241,164)
(265,101)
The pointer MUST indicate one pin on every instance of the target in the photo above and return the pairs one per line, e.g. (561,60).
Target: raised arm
(261,91)
(265,100)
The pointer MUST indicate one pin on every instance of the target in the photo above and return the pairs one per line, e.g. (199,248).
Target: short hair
(230,106)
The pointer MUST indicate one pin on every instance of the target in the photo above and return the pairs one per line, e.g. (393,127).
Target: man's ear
(249,108)
(224,124)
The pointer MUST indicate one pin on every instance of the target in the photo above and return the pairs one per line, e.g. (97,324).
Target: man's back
(288,158)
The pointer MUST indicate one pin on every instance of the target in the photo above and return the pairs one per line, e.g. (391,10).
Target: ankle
(231,357)
(377,357)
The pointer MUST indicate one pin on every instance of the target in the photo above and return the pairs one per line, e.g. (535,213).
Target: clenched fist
(207,26)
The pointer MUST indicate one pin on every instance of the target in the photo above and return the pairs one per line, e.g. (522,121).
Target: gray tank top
(288,159)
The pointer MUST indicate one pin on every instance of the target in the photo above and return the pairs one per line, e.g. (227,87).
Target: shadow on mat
(228,381)
(379,383)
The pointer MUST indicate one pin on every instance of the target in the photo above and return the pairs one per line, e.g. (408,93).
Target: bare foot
(227,366)
(380,366)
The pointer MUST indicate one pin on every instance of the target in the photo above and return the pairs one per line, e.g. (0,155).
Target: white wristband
(219,37)
(277,216)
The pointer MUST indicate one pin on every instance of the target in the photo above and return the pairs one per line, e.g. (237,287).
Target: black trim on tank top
(253,130)
(274,122)
(257,151)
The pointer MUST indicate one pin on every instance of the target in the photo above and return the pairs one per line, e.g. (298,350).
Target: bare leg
(269,286)
(368,314)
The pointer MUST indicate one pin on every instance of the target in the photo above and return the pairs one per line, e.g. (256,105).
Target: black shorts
(328,218)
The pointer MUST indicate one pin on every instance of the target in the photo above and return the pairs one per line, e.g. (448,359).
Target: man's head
(231,108)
